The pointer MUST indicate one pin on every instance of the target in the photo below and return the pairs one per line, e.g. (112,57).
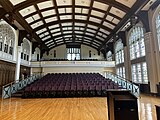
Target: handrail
(121,77)
(13,87)
(125,83)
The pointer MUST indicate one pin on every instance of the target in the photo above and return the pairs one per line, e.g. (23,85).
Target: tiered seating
(70,85)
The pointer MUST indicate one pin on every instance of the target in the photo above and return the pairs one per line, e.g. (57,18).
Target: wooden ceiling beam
(58,17)
(101,23)
(73,17)
(115,4)
(3,13)
(87,21)
(70,21)
(76,30)
(136,7)
(75,42)
(44,23)
(76,34)
(108,2)
(9,8)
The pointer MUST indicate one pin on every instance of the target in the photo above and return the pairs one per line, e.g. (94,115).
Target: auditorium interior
(80,59)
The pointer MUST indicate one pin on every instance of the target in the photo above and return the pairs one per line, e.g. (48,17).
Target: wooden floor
(68,109)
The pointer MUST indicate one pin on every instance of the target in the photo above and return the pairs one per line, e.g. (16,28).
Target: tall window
(7,38)
(121,71)
(109,56)
(25,50)
(73,53)
(119,57)
(119,52)
(136,43)
(139,73)
(137,50)
(158,29)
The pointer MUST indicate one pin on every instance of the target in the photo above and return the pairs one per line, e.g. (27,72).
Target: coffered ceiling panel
(64,2)
(27,11)
(128,3)
(83,2)
(15,2)
(46,4)
(100,5)
(117,12)
(56,22)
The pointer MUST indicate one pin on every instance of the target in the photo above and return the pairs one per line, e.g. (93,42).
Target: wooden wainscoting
(7,73)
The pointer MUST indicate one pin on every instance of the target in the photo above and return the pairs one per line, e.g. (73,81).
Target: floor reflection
(12,109)
(147,109)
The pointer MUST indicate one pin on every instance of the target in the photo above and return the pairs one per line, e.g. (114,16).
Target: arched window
(136,43)
(25,50)
(158,28)
(109,56)
(119,57)
(119,52)
(36,54)
(137,50)
(7,39)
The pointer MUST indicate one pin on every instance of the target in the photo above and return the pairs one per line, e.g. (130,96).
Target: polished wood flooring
(68,108)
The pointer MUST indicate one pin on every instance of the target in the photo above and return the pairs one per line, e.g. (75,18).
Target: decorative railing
(126,84)
(6,56)
(73,63)
(11,88)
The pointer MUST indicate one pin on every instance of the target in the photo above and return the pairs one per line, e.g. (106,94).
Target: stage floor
(69,108)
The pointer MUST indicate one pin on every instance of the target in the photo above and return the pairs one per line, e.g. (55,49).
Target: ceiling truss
(55,22)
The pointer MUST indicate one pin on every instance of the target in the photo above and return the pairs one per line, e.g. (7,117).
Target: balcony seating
(70,85)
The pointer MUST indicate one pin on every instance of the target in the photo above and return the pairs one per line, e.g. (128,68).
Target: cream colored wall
(111,69)
(36,70)
(72,69)
(61,53)
(94,53)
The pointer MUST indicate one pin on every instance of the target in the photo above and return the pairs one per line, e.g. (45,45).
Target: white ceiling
(49,26)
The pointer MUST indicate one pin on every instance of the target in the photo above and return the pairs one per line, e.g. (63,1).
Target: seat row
(53,86)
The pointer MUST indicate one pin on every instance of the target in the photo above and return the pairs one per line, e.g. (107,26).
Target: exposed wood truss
(56,22)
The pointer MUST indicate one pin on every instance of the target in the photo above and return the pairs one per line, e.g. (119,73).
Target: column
(151,62)
(18,63)
(127,63)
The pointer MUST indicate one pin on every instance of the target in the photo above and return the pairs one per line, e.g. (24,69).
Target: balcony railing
(126,84)
(11,88)
(73,63)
